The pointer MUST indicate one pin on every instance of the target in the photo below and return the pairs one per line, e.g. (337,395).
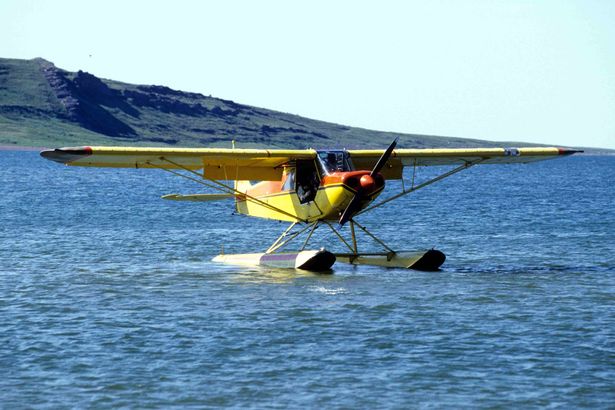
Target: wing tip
(67,154)
(567,151)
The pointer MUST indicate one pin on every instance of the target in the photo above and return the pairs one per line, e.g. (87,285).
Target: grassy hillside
(44,106)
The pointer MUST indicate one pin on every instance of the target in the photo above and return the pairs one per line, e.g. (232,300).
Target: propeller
(384,158)
(366,180)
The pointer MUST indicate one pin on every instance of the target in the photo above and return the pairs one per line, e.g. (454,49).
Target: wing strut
(424,184)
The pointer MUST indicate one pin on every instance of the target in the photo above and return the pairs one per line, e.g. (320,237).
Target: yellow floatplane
(308,188)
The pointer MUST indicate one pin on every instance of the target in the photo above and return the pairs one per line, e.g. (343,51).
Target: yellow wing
(217,163)
(366,159)
(266,165)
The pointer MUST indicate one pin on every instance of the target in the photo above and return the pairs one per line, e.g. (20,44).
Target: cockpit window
(334,161)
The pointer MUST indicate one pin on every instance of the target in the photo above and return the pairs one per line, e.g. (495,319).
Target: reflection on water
(259,274)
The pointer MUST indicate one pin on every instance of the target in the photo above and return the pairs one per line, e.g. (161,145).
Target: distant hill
(44,106)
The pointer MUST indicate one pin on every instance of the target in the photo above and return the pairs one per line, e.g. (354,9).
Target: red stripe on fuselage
(352,180)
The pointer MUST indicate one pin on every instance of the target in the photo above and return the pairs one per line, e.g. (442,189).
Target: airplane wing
(265,165)
(217,163)
(366,159)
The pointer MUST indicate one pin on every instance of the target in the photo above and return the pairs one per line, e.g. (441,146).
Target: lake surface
(108,297)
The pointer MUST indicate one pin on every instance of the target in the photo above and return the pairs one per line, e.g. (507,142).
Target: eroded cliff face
(86,100)
(90,102)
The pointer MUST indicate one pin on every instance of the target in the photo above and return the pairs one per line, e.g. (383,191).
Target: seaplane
(307,188)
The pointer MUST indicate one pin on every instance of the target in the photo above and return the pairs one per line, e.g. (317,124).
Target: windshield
(334,161)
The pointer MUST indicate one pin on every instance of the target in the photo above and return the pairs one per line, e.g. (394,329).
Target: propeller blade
(384,158)
(351,209)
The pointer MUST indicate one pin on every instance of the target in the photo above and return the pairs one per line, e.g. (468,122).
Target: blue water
(108,297)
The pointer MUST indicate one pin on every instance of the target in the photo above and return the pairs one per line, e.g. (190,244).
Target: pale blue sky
(535,71)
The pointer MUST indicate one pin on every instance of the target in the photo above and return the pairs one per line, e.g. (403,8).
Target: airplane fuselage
(310,190)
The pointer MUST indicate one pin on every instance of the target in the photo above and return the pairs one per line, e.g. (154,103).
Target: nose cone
(367,183)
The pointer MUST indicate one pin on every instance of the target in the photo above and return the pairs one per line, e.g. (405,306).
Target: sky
(532,71)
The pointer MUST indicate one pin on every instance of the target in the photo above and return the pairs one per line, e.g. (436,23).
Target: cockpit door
(307,180)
